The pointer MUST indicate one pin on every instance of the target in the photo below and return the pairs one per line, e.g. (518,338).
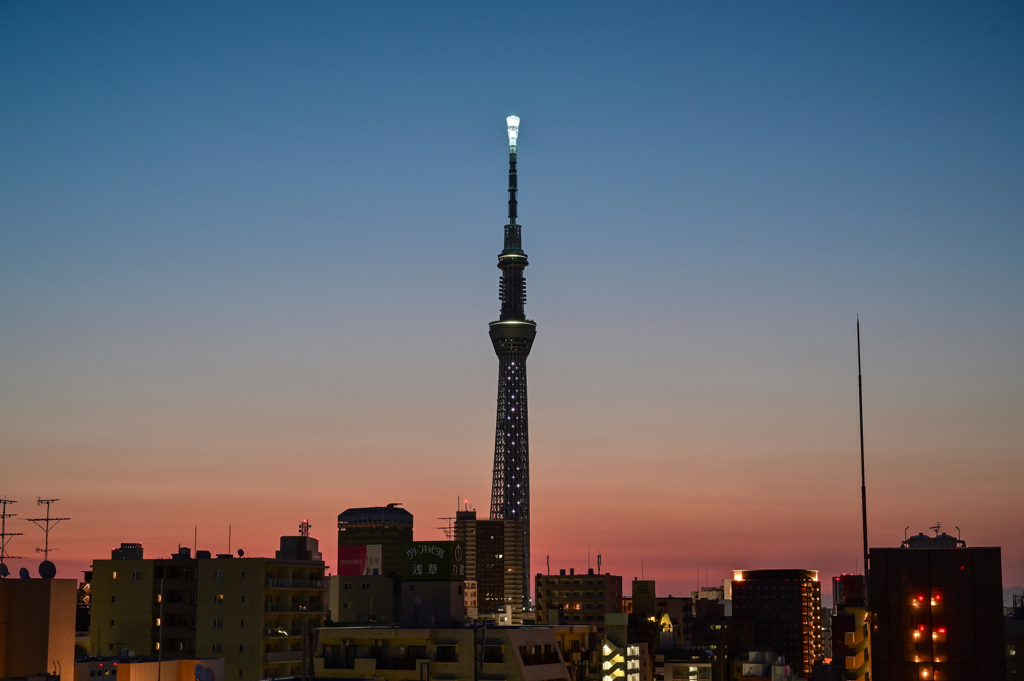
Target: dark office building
(577,599)
(937,611)
(785,608)
(494,561)
(371,540)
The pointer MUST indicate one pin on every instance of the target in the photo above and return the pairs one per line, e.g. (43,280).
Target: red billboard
(351,560)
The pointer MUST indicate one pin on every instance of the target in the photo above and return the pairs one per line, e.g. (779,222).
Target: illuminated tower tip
(513,132)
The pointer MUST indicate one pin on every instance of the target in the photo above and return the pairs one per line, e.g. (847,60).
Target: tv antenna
(937,527)
(46,524)
(5,535)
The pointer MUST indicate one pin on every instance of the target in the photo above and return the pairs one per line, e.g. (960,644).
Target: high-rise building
(494,564)
(785,608)
(850,638)
(512,337)
(371,540)
(253,612)
(936,611)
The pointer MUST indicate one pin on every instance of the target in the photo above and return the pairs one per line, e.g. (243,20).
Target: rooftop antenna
(599,563)
(46,524)
(447,528)
(5,535)
(549,565)
(937,527)
(863,486)
(229,539)
(304,528)
(588,556)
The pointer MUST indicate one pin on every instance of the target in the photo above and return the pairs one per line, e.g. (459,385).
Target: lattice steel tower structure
(512,337)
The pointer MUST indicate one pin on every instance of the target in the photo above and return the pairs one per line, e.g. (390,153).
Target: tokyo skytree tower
(512,337)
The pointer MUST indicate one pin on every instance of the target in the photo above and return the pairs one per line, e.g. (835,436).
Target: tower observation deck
(512,337)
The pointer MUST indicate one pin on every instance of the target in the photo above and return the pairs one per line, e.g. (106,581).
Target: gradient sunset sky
(247,262)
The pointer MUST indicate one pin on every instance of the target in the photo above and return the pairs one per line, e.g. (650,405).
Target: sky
(248,258)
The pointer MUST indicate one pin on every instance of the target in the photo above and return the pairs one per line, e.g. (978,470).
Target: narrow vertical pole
(863,487)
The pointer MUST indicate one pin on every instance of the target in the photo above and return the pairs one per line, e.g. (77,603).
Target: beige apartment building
(252,612)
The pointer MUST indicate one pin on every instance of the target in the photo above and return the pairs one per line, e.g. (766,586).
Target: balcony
(280,632)
(294,607)
(857,661)
(282,583)
(283,656)
(853,638)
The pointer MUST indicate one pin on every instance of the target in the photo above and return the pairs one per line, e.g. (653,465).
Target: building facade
(785,609)
(37,626)
(577,599)
(937,611)
(371,540)
(253,612)
(440,654)
(494,563)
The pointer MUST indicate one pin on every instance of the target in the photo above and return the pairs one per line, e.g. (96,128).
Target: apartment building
(252,612)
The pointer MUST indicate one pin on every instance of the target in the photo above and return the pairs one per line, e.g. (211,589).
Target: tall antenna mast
(5,535)
(46,524)
(863,487)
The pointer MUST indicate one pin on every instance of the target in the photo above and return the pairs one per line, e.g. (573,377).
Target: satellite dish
(3,570)
(23,573)
(47,570)
(241,553)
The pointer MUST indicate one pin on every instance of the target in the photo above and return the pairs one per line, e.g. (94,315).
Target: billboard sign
(434,561)
(360,559)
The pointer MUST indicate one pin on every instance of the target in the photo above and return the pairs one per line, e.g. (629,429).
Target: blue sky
(233,233)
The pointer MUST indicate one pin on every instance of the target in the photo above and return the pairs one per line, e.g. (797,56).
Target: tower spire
(512,337)
(513,232)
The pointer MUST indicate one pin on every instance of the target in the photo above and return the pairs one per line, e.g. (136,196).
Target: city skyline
(248,255)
